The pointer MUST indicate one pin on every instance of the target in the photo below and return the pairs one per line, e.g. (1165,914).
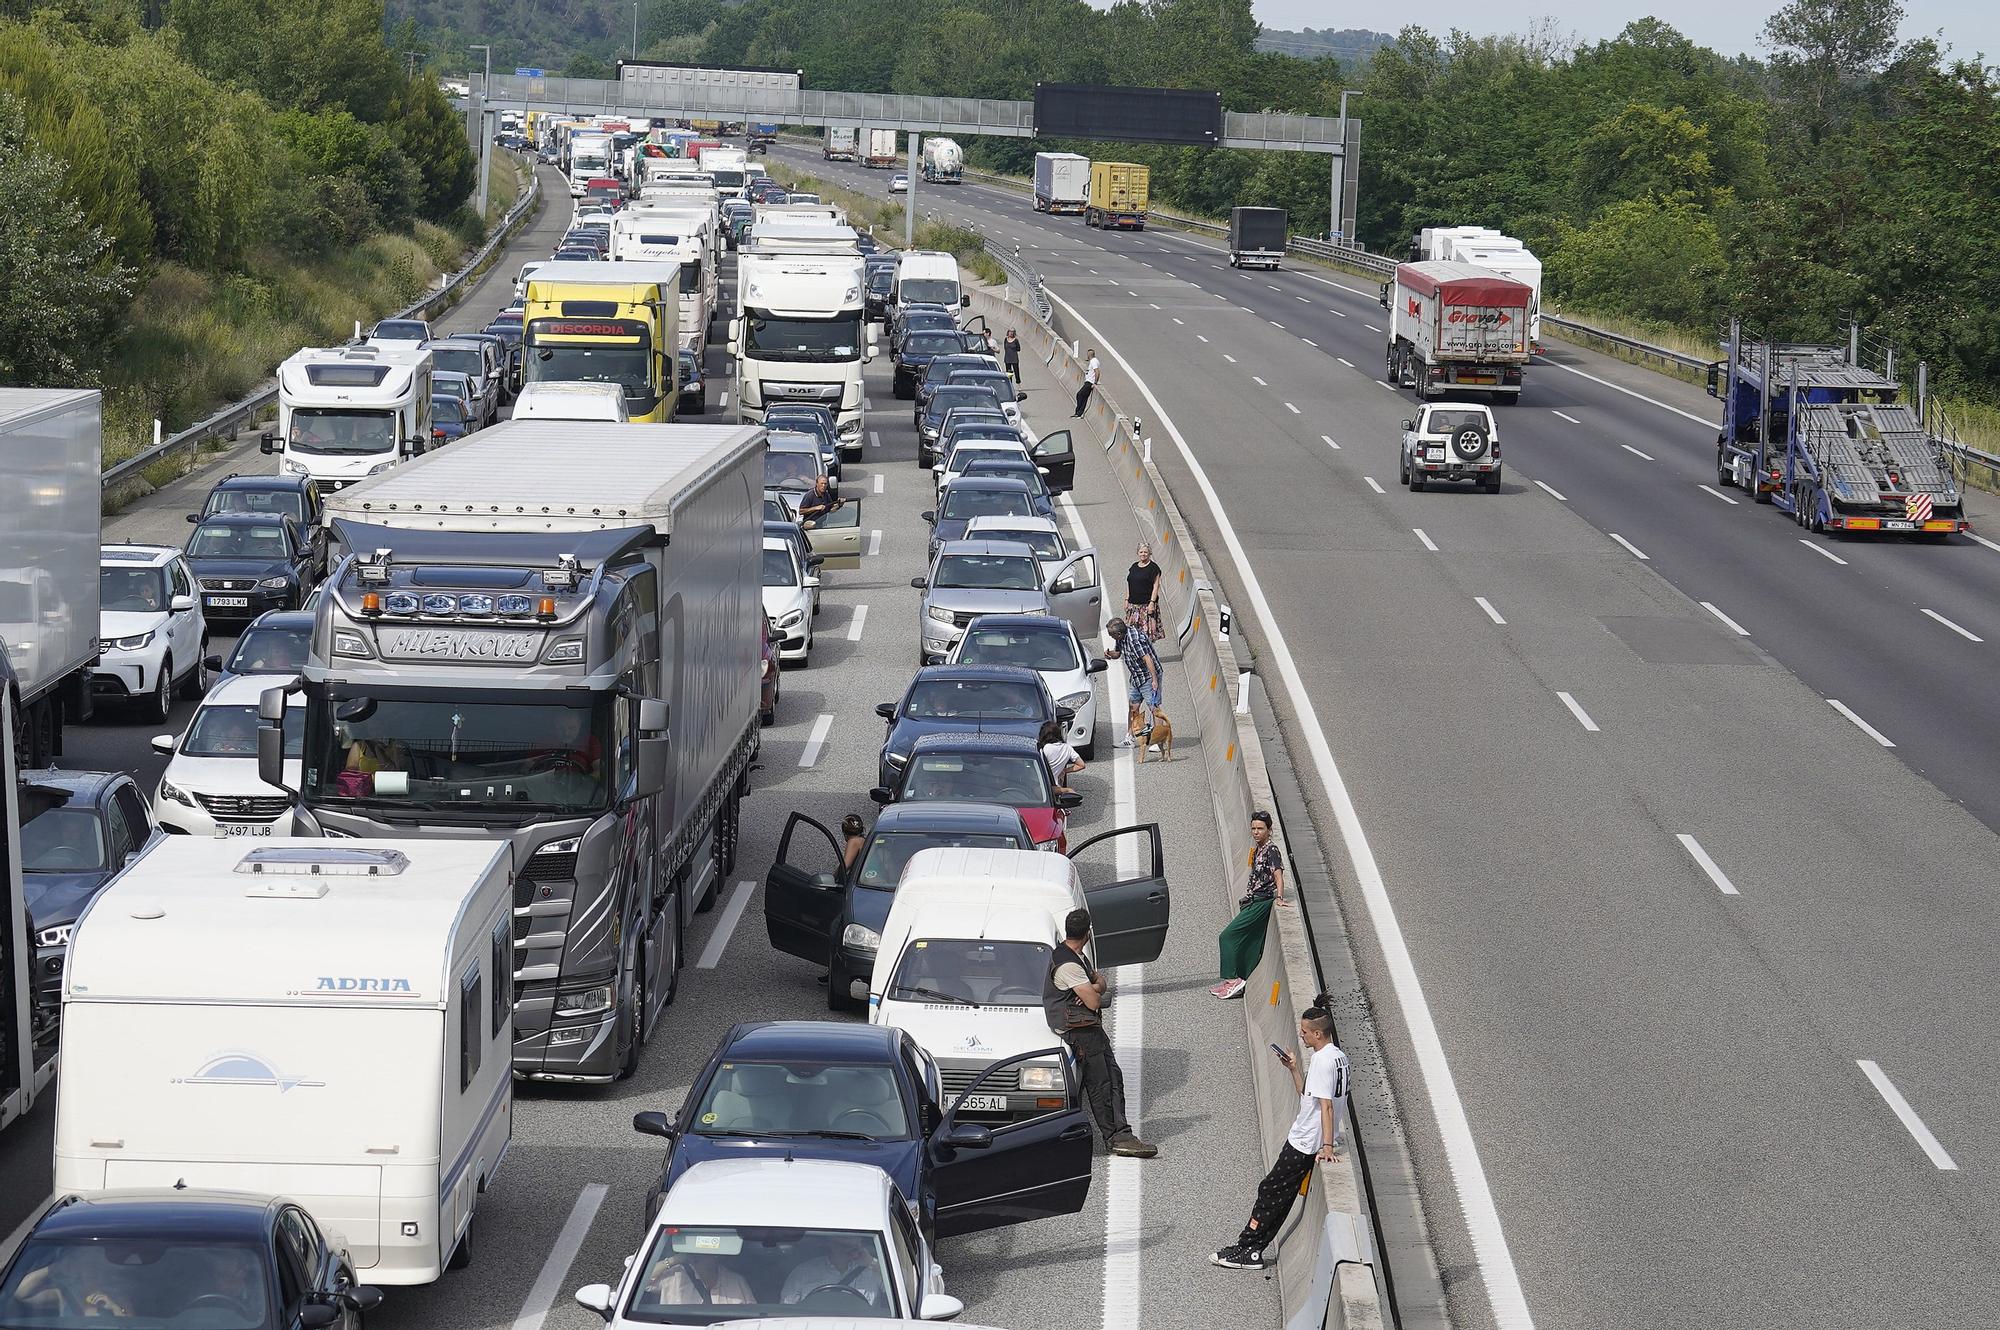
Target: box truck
(1119,194)
(51,498)
(1453,325)
(1257,237)
(550,635)
(322,1020)
(842,143)
(607,322)
(880,149)
(1062,182)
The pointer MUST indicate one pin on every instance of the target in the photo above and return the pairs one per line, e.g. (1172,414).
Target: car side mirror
(362,1298)
(1097,666)
(267,443)
(653,1124)
(318,1315)
(181,604)
(1068,799)
(919,583)
(595,1297)
(1409,424)
(930,517)
(194,519)
(940,1307)
(212,662)
(1065,714)
(163,744)
(886,710)
(813,582)
(968,1136)
(965,302)
(883,795)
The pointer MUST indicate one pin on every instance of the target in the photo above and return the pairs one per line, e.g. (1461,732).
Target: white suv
(1451,441)
(149,616)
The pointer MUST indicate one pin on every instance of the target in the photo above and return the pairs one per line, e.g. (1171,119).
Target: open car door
(975,336)
(836,535)
(802,896)
(1056,454)
(1075,595)
(990,1177)
(1124,879)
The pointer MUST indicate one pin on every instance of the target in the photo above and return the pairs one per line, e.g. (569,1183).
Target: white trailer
(325,1020)
(27,1060)
(1062,182)
(880,150)
(842,143)
(944,162)
(1452,325)
(51,498)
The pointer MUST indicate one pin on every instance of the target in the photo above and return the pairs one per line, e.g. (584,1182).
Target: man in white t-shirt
(1314,1137)
(1092,369)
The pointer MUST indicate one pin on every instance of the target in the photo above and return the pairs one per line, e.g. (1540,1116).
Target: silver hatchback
(969,578)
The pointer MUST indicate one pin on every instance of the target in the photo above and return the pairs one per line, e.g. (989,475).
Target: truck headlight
(1075,701)
(295,468)
(566,846)
(939,613)
(275,583)
(1041,1078)
(136,642)
(584,1002)
(169,790)
(860,937)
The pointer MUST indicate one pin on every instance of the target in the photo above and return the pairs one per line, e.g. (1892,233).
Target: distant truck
(842,143)
(880,150)
(944,162)
(1120,193)
(1257,237)
(1062,182)
(51,497)
(1454,326)
(763,133)
(1483,247)
(1815,434)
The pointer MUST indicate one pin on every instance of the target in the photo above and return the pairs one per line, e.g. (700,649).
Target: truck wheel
(1722,476)
(635,1034)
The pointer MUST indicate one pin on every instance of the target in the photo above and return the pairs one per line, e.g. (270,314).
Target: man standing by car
(818,502)
(1073,998)
(1143,674)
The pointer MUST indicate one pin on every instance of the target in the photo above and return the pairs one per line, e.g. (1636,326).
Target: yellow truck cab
(607,323)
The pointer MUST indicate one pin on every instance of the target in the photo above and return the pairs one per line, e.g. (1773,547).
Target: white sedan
(210,786)
(899,183)
(1048,646)
(788,598)
(746,1238)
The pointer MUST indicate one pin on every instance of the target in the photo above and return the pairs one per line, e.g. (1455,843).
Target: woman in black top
(1142,593)
(1010,351)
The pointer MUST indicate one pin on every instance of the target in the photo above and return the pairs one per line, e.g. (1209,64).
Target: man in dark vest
(1073,997)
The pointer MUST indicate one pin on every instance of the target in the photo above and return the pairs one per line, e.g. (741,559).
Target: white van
(571,401)
(966,949)
(927,277)
(330,1021)
(349,412)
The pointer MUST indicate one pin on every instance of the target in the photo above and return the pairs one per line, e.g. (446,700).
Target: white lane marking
(1075,521)
(1091,271)
(1967,634)
(1371,327)
(1148,302)
(1991,545)
(1576,709)
(1487,605)
(1571,419)
(878,484)
(1734,626)
(1568,369)
(1552,492)
(542,1294)
(1124,1231)
(1820,549)
(1258,381)
(1634,549)
(1200,337)
(1310,342)
(874,438)
(1177,320)
(1429,544)
(1302,300)
(1330,443)
(855,624)
(1390,387)
(816,740)
(1294,410)
(1345,361)
(1279,326)
(1635,452)
(1860,724)
(1373,485)
(1274,288)
(1475,1194)
(1904,1114)
(1226,356)
(1338,314)
(722,402)
(1717,493)
(874,543)
(1708,865)
(725,927)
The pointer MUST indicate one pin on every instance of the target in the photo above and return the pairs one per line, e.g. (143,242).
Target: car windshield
(447,410)
(756,1272)
(791,470)
(890,852)
(930,291)
(270,651)
(980,450)
(451,385)
(964,504)
(331,432)
(1029,648)
(63,840)
(880,279)
(1448,422)
(264,540)
(802,422)
(1045,544)
(231,731)
(467,749)
(989,699)
(778,569)
(769,337)
(1021,780)
(282,503)
(459,360)
(992,974)
(402,330)
(917,321)
(141,590)
(944,399)
(152,1281)
(1002,386)
(1014,468)
(776,510)
(790,1098)
(932,344)
(988,572)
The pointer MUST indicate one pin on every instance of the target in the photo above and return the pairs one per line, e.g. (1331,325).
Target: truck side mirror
(271,754)
(649,776)
(653,715)
(267,443)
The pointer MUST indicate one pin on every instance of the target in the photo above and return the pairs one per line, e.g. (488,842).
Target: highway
(1706,961)
(566,1209)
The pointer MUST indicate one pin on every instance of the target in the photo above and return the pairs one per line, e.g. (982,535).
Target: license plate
(245,828)
(1899,526)
(228,602)
(983,1103)
(1476,378)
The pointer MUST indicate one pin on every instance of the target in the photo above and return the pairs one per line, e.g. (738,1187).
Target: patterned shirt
(1265,864)
(1135,649)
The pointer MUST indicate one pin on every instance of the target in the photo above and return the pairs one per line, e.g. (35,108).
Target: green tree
(1644,151)
(1824,48)
(1652,258)
(432,136)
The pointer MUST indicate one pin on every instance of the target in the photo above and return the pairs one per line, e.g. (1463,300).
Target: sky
(1730,26)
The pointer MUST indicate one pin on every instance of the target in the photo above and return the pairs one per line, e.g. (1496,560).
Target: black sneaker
(1237,1258)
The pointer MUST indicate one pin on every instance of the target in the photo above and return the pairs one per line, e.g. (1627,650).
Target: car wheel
(1492,485)
(161,703)
(1403,471)
(768,716)
(196,685)
(1087,750)
(837,996)
(1416,483)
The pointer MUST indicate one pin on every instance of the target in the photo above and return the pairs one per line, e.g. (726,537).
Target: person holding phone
(1314,1137)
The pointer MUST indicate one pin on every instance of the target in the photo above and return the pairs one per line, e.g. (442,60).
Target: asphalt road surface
(1706,961)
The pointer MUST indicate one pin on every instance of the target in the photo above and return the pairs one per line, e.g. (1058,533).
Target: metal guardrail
(227,420)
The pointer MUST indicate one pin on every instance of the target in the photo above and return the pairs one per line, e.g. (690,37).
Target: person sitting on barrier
(1242,941)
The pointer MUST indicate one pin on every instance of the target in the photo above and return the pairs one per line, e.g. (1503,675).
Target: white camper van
(349,412)
(326,1020)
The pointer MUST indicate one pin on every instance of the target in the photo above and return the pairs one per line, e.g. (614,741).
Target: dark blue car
(248,563)
(868,1094)
(817,911)
(964,699)
(78,829)
(448,422)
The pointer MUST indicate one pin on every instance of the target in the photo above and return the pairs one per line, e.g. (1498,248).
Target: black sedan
(868,1094)
(78,829)
(219,1260)
(249,563)
(296,497)
(816,911)
(694,384)
(964,699)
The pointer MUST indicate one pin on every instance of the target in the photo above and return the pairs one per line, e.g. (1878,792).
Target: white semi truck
(1483,247)
(880,149)
(944,162)
(841,144)
(1062,182)
(800,333)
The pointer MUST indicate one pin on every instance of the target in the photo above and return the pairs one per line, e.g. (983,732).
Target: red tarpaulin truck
(1453,325)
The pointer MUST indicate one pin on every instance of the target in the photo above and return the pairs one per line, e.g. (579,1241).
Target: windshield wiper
(828,1133)
(908,990)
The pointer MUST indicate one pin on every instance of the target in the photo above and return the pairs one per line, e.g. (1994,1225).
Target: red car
(992,769)
(767,697)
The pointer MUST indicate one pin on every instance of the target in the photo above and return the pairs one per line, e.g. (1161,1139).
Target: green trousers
(1242,940)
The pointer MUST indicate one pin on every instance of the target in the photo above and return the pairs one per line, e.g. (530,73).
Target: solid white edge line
(1634,549)
(1907,1116)
(1124,1179)
(1569,369)
(874,543)
(1576,709)
(548,1284)
(1818,548)
(855,624)
(1965,633)
(1859,723)
(1635,452)
(1717,493)
(1429,544)
(1373,485)
(816,740)
(1491,613)
(1734,626)
(1502,1281)
(1565,415)
(725,926)
(1708,865)
(1553,492)
(1991,545)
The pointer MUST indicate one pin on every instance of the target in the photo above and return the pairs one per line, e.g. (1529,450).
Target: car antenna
(180,1184)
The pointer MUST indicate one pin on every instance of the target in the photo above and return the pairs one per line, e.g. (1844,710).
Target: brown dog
(1163,732)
